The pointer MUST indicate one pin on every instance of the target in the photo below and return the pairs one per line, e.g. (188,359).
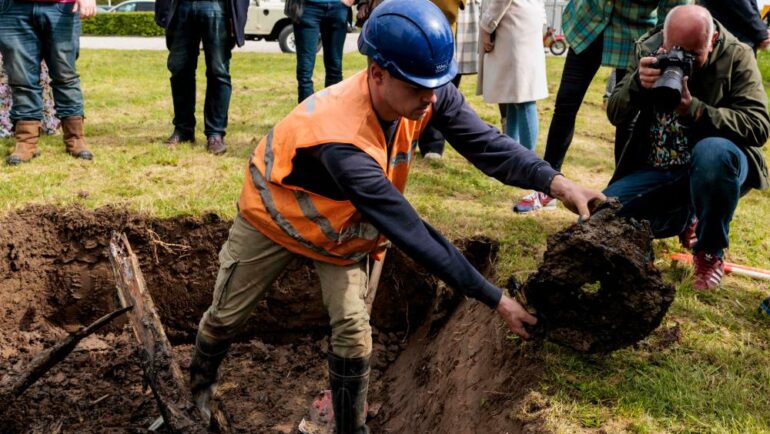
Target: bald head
(690,27)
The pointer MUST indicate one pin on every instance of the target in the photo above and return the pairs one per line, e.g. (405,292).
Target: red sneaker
(689,237)
(709,270)
(535,201)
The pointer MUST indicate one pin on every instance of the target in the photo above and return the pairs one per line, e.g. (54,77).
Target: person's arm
(363,182)
(499,156)
(741,114)
(747,13)
(627,98)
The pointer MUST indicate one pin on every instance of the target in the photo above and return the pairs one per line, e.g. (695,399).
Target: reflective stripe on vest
(308,223)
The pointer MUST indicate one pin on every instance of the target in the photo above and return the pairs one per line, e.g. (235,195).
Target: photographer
(686,164)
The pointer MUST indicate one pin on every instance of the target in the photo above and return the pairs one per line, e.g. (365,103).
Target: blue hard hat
(412,40)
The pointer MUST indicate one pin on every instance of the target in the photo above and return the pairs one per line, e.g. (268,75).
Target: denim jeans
(579,70)
(521,123)
(330,22)
(709,189)
(31,32)
(193,22)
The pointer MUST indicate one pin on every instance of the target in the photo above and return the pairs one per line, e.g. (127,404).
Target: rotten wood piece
(47,359)
(161,370)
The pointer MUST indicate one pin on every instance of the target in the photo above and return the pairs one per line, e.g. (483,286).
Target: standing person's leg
(579,70)
(344,290)
(431,141)
(59,30)
(306,34)
(521,123)
(717,173)
(334,30)
(217,49)
(249,263)
(182,39)
(21,49)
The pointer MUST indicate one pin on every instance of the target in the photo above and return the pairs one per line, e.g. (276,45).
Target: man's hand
(648,73)
(765,43)
(363,11)
(686,101)
(576,198)
(348,3)
(486,40)
(515,316)
(87,8)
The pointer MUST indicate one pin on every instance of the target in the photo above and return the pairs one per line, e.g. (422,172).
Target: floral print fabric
(50,122)
(669,144)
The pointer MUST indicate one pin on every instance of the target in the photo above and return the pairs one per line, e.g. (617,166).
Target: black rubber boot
(349,380)
(203,372)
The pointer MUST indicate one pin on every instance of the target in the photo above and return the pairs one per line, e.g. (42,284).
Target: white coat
(514,71)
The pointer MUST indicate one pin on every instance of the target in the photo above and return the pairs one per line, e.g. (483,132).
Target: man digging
(326,183)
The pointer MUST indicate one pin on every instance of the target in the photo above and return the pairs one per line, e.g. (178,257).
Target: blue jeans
(330,22)
(31,32)
(709,189)
(521,123)
(194,22)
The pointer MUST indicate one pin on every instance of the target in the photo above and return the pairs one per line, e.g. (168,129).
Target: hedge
(122,24)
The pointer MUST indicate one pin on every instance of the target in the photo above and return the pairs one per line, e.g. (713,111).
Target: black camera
(674,65)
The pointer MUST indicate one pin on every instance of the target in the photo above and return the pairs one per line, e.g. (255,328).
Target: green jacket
(727,94)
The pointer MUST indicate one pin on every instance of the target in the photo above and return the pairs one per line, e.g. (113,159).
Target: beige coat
(514,71)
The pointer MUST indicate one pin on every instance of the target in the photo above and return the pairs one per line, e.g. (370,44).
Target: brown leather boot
(72,127)
(27,135)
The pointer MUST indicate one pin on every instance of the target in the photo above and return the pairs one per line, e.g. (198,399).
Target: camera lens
(667,90)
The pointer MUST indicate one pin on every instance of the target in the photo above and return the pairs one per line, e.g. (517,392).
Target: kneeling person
(685,168)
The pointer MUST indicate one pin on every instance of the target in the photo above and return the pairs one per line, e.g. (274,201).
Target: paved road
(159,43)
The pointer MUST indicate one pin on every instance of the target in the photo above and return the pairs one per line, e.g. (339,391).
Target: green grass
(715,379)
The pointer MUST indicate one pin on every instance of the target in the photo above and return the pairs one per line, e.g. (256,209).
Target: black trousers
(579,70)
(431,139)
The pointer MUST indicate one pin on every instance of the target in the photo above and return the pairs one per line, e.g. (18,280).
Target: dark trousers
(431,139)
(197,21)
(579,70)
(709,189)
(31,32)
(329,21)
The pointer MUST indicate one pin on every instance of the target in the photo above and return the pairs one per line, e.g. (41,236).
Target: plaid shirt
(622,21)
(467,38)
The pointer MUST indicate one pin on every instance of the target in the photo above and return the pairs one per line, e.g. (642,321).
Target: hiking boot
(204,368)
(27,135)
(72,129)
(349,380)
(216,145)
(178,137)
(709,270)
(535,201)
(688,238)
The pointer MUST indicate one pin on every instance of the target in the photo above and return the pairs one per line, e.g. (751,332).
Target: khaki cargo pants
(249,263)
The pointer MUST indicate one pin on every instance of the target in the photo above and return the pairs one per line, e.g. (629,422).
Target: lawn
(716,378)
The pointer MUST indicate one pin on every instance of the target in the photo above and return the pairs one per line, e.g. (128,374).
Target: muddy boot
(349,380)
(27,135)
(72,127)
(203,372)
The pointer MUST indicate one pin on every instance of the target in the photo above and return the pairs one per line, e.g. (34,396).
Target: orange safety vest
(307,223)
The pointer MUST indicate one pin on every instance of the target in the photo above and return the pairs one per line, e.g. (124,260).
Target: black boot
(349,380)
(203,372)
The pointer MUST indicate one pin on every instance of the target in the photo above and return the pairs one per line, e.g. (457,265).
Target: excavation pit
(441,363)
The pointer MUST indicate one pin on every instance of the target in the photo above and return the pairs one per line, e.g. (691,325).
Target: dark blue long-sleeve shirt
(343,171)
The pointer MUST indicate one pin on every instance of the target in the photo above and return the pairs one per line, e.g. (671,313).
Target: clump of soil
(55,277)
(598,289)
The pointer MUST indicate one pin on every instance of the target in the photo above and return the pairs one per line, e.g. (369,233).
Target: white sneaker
(433,156)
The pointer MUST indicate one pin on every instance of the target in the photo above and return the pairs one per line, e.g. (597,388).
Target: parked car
(266,21)
(134,6)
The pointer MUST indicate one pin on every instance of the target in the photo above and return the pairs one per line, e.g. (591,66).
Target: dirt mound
(598,289)
(55,277)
